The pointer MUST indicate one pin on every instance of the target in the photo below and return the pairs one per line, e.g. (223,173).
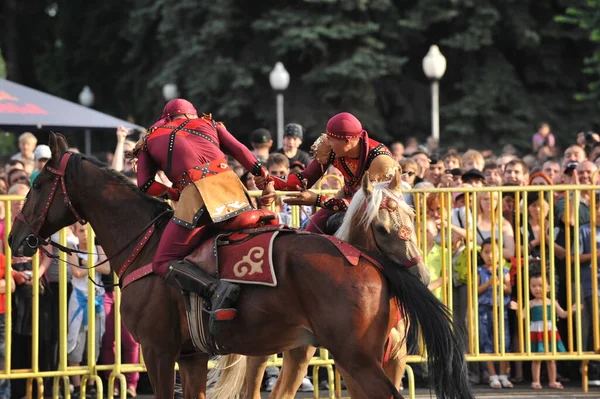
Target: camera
(571,166)
(589,137)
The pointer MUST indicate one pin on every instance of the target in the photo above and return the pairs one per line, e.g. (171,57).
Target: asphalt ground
(571,391)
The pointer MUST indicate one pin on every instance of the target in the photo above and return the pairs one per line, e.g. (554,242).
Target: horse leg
(364,377)
(394,368)
(193,371)
(295,364)
(255,371)
(161,369)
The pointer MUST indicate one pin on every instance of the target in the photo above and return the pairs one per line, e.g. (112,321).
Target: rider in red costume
(347,146)
(189,150)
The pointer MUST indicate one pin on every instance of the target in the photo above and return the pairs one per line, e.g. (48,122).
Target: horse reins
(59,179)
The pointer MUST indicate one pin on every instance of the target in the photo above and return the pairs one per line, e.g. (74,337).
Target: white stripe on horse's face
(380,220)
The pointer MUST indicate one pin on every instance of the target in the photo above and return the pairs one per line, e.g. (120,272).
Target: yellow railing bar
(519,245)
(577,260)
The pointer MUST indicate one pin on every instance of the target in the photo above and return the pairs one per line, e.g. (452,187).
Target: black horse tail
(445,351)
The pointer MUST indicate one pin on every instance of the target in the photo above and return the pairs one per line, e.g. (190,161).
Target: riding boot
(222,295)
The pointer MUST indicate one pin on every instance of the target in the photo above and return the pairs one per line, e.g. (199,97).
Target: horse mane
(157,205)
(364,209)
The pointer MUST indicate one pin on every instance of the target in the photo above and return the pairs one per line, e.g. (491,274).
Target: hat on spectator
(293,130)
(260,136)
(42,151)
(473,174)
(457,195)
(456,172)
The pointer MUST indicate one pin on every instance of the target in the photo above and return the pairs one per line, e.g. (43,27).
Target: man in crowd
(516,172)
(261,143)
(552,169)
(421,158)
(293,134)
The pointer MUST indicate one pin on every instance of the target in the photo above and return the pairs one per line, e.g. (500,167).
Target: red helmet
(344,126)
(175,107)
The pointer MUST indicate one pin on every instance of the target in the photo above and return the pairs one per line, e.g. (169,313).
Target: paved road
(522,391)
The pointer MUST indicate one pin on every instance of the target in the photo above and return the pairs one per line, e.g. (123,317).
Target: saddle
(241,252)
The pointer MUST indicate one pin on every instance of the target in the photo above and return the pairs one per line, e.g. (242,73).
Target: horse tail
(445,351)
(225,380)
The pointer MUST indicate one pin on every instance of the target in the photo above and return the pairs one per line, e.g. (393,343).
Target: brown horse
(321,300)
(355,230)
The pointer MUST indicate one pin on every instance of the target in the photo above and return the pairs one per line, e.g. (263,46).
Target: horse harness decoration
(391,202)
(34,240)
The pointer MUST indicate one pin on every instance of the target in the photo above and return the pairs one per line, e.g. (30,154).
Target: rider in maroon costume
(347,146)
(188,150)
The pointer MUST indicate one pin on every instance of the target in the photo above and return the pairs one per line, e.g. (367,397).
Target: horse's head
(379,219)
(47,207)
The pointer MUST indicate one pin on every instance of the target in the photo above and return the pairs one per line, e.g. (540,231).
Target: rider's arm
(146,170)
(239,151)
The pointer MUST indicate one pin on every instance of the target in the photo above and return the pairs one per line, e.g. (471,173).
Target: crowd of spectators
(423,166)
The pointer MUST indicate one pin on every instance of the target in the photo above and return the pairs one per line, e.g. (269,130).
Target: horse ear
(58,145)
(366,183)
(396,183)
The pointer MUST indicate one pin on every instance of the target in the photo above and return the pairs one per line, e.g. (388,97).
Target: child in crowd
(536,307)
(78,303)
(434,259)
(491,256)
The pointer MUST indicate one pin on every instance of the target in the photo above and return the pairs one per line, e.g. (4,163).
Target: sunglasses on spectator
(410,173)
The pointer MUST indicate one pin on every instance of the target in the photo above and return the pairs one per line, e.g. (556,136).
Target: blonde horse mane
(364,209)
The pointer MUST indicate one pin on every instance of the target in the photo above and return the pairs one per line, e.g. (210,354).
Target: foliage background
(511,63)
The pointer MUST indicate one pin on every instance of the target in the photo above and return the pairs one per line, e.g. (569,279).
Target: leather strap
(137,250)
(136,275)
(172,144)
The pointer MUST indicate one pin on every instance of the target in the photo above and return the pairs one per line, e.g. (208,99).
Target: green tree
(587,18)
(510,64)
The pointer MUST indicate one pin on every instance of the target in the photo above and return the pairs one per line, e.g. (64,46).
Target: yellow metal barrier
(472,212)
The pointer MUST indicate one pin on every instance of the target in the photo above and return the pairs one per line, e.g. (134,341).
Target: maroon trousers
(176,243)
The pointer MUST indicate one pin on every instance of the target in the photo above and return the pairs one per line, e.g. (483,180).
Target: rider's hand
(302,198)
(268,195)
(261,181)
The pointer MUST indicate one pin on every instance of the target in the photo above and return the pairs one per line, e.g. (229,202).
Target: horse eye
(381,229)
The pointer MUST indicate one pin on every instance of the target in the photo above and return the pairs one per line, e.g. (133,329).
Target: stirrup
(224,296)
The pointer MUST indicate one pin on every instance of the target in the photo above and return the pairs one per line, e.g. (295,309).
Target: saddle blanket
(248,261)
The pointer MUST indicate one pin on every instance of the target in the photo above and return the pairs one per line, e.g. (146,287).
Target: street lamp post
(86,98)
(170,91)
(279,79)
(434,66)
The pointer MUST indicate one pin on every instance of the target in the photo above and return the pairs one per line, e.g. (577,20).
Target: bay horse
(320,300)
(354,229)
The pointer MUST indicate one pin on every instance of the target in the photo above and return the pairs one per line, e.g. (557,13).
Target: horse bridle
(391,203)
(34,240)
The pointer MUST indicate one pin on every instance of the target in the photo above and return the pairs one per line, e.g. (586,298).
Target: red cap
(174,107)
(344,126)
